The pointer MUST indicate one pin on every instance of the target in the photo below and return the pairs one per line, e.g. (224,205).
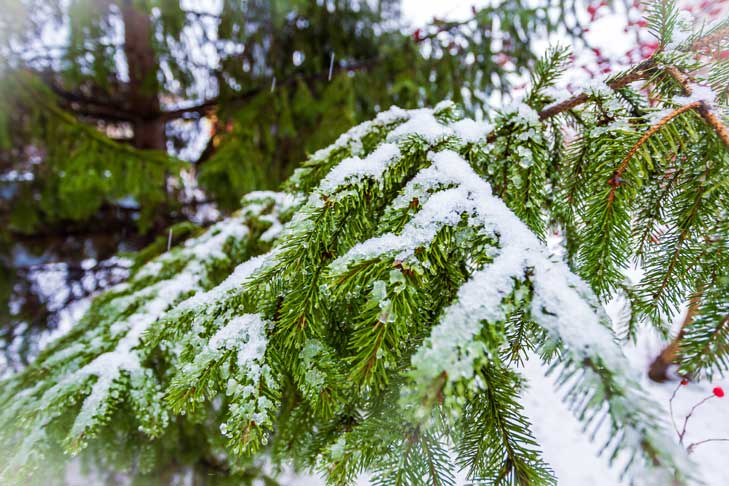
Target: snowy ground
(575,459)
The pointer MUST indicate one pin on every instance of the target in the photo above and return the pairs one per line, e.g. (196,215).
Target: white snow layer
(353,168)
(423,123)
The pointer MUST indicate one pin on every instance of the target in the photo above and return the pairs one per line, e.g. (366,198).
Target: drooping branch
(713,121)
(96,107)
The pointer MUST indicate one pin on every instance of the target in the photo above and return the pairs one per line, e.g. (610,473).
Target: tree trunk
(143,87)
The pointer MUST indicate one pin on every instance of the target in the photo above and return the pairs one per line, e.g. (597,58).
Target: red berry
(642,23)
(718,391)
(684,382)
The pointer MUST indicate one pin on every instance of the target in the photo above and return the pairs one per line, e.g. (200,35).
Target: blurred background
(129,123)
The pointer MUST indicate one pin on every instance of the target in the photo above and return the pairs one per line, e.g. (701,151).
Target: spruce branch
(497,446)
(702,108)
(375,320)
(616,180)
(703,348)
(662,16)
(28,86)
(640,72)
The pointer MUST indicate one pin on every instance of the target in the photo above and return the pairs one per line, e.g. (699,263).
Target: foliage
(252,79)
(373,316)
(377,312)
(82,168)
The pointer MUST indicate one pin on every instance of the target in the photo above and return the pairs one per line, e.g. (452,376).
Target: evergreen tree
(100,99)
(373,315)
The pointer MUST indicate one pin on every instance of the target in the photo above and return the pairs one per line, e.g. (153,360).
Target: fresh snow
(698,93)
(353,137)
(440,209)
(471,131)
(422,123)
(107,368)
(235,280)
(353,169)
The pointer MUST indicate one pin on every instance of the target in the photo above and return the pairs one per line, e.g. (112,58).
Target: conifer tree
(373,315)
(93,123)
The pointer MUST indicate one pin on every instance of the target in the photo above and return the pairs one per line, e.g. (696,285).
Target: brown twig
(710,118)
(689,415)
(658,370)
(670,408)
(699,106)
(641,71)
(616,179)
(659,367)
(703,110)
(710,40)
(692,446)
